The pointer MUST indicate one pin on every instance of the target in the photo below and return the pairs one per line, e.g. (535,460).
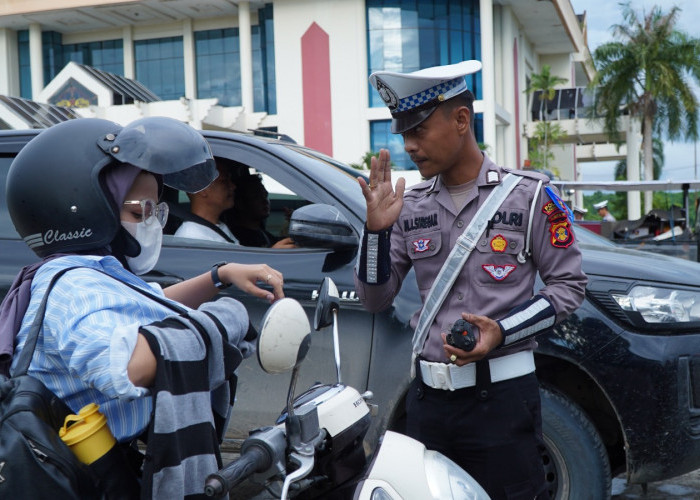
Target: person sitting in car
(207,206)
(250,212)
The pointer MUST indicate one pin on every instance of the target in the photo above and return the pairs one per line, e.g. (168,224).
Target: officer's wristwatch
(215,276)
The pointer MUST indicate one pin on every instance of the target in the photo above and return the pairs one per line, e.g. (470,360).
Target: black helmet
(55,193)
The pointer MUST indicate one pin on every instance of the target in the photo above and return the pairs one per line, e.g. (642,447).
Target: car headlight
(446,479)
(660,305)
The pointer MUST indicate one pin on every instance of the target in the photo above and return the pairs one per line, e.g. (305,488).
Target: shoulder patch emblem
(499,243)
(499,273)
(562,235)
(421,245)
(549,208)
(559,203)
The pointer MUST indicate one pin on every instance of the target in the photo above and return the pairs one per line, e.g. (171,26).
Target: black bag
(34,462)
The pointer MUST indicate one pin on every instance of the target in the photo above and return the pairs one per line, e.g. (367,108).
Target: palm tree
(658,161)
(546,83)
(646,72)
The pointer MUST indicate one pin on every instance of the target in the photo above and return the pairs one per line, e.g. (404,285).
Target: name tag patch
(421,245)
(421,222)
(499,273)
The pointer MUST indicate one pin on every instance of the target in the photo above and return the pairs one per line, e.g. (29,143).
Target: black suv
(620,378)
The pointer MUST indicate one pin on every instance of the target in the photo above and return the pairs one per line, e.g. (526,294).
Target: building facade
(297,67)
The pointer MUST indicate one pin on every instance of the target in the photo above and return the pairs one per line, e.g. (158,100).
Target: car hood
(638,265)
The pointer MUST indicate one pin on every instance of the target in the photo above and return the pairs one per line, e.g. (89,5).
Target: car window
(7,228)
(257,193)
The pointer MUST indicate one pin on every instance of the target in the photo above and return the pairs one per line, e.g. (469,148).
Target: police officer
(481,407)
(602,209)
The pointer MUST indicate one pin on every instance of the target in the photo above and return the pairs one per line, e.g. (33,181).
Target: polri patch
(499,243)
(499,273)
(562,235)
(421,245)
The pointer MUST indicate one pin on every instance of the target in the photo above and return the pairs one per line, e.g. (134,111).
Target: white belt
(451,377)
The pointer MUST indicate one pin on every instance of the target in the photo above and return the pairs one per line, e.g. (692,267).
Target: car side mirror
(322,226)
(284,337)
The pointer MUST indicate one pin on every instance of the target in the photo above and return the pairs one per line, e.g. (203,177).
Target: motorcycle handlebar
(254,459)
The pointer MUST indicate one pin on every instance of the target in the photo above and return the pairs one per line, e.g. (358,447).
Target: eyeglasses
(150,210)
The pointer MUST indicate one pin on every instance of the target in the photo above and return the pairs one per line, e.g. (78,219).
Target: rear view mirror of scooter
(327,314)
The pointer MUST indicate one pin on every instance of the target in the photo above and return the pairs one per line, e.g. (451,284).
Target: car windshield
(588,237)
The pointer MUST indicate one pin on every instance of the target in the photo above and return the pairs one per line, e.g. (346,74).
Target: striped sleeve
(374,261)
(529,318)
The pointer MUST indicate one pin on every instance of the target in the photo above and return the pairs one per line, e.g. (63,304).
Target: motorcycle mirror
(327,302)
(284,336)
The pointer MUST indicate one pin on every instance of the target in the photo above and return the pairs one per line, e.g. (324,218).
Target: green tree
(546,83)
(540,151)
(647,72)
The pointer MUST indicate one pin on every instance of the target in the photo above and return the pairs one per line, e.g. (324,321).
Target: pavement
(686,487)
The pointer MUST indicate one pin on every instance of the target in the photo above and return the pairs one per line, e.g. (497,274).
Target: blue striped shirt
(88,335)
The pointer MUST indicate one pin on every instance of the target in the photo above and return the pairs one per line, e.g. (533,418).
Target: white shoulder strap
(455,261)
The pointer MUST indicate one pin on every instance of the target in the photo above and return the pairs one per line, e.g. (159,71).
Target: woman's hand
(247,276)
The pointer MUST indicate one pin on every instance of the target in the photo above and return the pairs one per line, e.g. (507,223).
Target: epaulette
(530,174)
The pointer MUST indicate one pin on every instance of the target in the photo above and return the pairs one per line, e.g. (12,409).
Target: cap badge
(387,94)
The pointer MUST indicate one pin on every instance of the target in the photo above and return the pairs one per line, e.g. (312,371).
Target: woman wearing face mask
(84,193)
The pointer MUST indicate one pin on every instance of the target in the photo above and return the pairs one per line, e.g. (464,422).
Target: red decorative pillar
(316,81)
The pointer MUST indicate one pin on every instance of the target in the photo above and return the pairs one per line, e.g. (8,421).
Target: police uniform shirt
(493,281)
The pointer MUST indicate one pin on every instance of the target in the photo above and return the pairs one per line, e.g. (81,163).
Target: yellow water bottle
(87,434)
(89,437)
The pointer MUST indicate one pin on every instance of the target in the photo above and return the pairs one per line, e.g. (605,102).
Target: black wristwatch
(215,276)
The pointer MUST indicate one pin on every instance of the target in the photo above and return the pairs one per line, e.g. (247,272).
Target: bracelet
(215,276)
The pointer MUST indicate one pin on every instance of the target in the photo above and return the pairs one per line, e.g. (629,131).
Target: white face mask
(149,234)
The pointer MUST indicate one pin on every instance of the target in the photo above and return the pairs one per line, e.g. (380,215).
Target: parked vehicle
(316,447)
(620,377)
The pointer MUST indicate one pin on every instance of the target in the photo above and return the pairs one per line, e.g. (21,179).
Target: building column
(36,59)
(634,136)
(189,59)
(488,78)
(9,63)
(246,47)
(128,51)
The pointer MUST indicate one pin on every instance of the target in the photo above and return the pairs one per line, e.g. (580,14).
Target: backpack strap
(25,357)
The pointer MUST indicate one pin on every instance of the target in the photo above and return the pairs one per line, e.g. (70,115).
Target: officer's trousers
(495,434)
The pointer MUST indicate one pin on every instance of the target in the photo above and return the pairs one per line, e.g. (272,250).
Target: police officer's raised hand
(489,338)
(383,203)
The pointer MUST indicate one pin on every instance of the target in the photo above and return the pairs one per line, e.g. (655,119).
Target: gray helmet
(56,194)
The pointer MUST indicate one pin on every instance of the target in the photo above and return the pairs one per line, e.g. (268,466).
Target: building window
(107,55)
(160,66)
(408,35)
(381,137)
(218,57)
(217,53)
(25,71)
(264,78)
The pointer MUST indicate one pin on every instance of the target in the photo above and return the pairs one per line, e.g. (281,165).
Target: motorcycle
(315,449)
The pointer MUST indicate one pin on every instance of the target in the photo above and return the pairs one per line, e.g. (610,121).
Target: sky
(681,159)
